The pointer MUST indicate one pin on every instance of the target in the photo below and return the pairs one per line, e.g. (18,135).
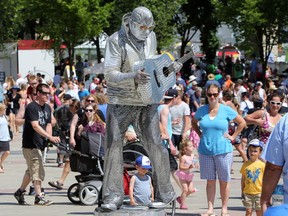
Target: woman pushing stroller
(91,122)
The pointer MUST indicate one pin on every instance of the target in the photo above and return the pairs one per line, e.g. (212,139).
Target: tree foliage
(68,22)
(194,16)
(258,24)
(9,20)
(164,12)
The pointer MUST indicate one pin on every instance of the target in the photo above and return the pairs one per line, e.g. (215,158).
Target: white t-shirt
(20,81)
(245,103)
(4,135)
(261,93)
(179,112)
(239,93)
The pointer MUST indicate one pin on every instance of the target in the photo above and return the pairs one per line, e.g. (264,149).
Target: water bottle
(278,195)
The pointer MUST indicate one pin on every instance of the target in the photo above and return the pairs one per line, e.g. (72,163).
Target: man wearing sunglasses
(37,130)
(134,42)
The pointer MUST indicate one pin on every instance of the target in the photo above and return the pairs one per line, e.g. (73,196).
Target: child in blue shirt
(141,191)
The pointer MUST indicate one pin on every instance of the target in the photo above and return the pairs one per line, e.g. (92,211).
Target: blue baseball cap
(256,143)
(143,162)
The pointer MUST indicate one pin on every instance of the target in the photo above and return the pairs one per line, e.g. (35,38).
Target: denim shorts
(212,166)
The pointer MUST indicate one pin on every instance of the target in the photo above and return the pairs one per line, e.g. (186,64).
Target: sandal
(183,207)
(194,190)
(56,184)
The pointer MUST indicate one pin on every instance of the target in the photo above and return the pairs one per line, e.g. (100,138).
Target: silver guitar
(161,70)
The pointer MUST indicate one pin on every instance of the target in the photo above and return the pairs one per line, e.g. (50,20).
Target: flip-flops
(56,184)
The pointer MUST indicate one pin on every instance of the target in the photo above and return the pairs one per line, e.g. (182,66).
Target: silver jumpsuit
(125,108)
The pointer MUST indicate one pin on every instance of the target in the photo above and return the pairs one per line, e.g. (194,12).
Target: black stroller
(87,160)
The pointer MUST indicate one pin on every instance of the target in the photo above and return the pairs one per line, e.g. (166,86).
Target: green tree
(68,22)
(194,16)
(9,20)
(258,24)
(164,12)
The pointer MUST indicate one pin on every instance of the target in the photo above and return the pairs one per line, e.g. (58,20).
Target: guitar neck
(183,59)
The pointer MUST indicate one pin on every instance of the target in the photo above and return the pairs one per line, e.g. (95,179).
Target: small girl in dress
(185,175)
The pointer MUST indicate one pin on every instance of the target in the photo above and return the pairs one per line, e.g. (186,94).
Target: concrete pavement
(15,166)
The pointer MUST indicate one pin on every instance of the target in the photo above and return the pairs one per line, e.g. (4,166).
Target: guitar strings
(183,58)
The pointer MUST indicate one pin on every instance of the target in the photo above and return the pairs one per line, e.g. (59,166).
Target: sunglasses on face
(90,101)
(276,103)
(34,83)
(212,94)
(145,27)
(45,93)
(88,110)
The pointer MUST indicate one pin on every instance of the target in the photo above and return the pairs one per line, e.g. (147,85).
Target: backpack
(245,111)
(63,117)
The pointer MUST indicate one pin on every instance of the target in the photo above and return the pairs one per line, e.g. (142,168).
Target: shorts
(185,176)
(35,168)
(213,165)
(4,146)
(176,139)
(251,201)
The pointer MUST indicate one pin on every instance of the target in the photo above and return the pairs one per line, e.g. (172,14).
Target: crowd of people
(210,109)
(182,112)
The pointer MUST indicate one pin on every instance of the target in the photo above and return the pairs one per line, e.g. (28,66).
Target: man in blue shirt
(83,92)
(276,155)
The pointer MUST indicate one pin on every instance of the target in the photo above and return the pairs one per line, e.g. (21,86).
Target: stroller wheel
(73,193)
(89,195)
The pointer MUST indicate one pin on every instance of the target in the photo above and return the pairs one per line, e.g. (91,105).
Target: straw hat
(211,76)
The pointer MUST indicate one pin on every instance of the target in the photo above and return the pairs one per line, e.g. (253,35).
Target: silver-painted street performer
(135,41)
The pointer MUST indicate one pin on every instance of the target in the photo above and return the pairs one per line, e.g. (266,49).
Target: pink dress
(186,175)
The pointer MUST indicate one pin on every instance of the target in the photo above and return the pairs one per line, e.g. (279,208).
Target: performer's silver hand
(177,66)
(142,77)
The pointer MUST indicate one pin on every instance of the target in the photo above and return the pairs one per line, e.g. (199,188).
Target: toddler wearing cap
(141,190)
(252,175)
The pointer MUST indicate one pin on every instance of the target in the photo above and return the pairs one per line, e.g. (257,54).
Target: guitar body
(161,78)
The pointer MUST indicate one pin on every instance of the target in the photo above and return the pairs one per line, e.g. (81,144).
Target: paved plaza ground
(14,169)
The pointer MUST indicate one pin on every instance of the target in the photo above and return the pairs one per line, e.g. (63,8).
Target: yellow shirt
(253,176)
